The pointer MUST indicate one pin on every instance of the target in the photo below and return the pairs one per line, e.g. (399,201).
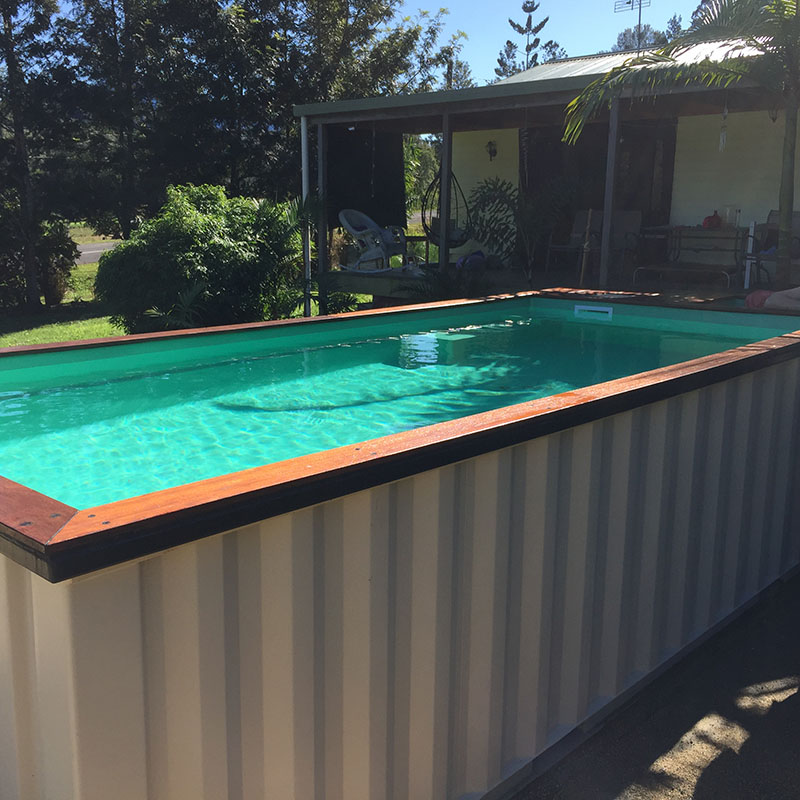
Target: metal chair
(577,238)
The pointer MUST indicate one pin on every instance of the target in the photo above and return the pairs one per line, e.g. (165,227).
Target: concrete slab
(723,724)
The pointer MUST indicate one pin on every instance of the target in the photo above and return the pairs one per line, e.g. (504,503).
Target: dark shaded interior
(365,172)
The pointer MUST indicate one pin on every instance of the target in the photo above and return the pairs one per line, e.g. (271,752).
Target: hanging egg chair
(460,224)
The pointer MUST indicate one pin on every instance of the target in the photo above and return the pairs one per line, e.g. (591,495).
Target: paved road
(91,252)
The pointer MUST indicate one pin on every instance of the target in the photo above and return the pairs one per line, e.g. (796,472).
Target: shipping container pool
(397,553)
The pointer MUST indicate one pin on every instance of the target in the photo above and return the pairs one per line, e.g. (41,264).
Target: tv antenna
(629,5)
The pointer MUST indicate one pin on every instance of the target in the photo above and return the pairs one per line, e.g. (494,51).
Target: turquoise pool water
(96,425)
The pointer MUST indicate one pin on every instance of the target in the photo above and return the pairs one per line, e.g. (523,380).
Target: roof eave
(443,100)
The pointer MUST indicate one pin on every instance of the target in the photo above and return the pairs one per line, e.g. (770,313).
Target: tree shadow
(722,723)
(13,322)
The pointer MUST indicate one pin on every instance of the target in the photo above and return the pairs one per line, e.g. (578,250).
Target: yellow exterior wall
(471,163)
(745,175)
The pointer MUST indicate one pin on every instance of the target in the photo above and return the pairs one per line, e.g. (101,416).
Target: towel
(757,298)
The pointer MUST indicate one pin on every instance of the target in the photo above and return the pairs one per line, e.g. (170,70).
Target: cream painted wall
(746,174)
(471,163)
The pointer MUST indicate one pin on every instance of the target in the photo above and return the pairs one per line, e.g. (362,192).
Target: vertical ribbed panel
(18,774)
(54,701)
(107,668)
(420,639)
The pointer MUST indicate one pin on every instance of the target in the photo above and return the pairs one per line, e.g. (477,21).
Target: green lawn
(82,233)
(69,322)
(78,317)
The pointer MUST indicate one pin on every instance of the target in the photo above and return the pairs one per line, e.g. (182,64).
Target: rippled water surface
(97,441)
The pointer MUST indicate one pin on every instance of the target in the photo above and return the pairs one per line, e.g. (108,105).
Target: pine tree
(508,63)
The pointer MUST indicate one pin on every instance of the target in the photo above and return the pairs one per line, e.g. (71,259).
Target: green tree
(107,43)
(639,37)
(149,93)
(25,26)
(754,41)
(674,27)
(421,163)
(636,38)
(509,61)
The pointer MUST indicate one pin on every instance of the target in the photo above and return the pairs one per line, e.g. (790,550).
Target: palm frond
(646,76)
(728,41)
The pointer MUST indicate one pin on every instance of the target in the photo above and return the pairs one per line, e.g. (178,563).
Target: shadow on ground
(722,724)
(67,312)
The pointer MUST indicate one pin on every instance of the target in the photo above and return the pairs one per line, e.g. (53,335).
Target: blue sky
(579,26)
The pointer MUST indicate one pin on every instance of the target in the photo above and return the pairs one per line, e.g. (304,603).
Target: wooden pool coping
(59,542)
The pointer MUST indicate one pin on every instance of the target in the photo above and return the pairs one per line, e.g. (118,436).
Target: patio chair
(376,245)
(765,246)
(574,245)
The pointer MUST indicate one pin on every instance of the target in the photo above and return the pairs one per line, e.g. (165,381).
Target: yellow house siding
(471,163)
(745,175)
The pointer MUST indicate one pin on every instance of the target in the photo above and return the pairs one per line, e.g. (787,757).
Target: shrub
(55,255)
(204,259)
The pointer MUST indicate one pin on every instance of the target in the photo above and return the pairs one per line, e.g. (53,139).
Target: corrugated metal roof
(565,75)
(570,67)
(599,64)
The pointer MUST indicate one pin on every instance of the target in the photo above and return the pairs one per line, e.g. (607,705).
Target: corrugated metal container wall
(422,639)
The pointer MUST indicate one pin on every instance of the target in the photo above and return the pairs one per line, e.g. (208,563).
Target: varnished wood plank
(29,517)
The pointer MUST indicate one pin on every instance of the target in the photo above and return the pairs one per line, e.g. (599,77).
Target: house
(677,157)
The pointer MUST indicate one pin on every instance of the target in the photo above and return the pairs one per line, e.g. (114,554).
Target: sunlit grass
(82,233)
(68,323)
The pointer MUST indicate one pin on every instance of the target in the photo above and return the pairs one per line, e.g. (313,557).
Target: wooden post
(322,192)
(608,198)
(444,193)
(306,170)
(322,221)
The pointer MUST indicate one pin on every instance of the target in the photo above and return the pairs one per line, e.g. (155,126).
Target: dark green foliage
(420,163)
(105,106)
(493,205)
(12,271)
(204,259)
(54,256)
(636,38)
(639,37)
(330,298)
(148,94)
(674,28)
(24,44)
(513,224)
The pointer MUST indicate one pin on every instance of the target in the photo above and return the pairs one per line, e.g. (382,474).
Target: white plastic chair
(376,245)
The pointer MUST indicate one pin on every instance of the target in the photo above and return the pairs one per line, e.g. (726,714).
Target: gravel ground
(723,724)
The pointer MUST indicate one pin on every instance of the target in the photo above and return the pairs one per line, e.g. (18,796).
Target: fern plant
(511,224)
